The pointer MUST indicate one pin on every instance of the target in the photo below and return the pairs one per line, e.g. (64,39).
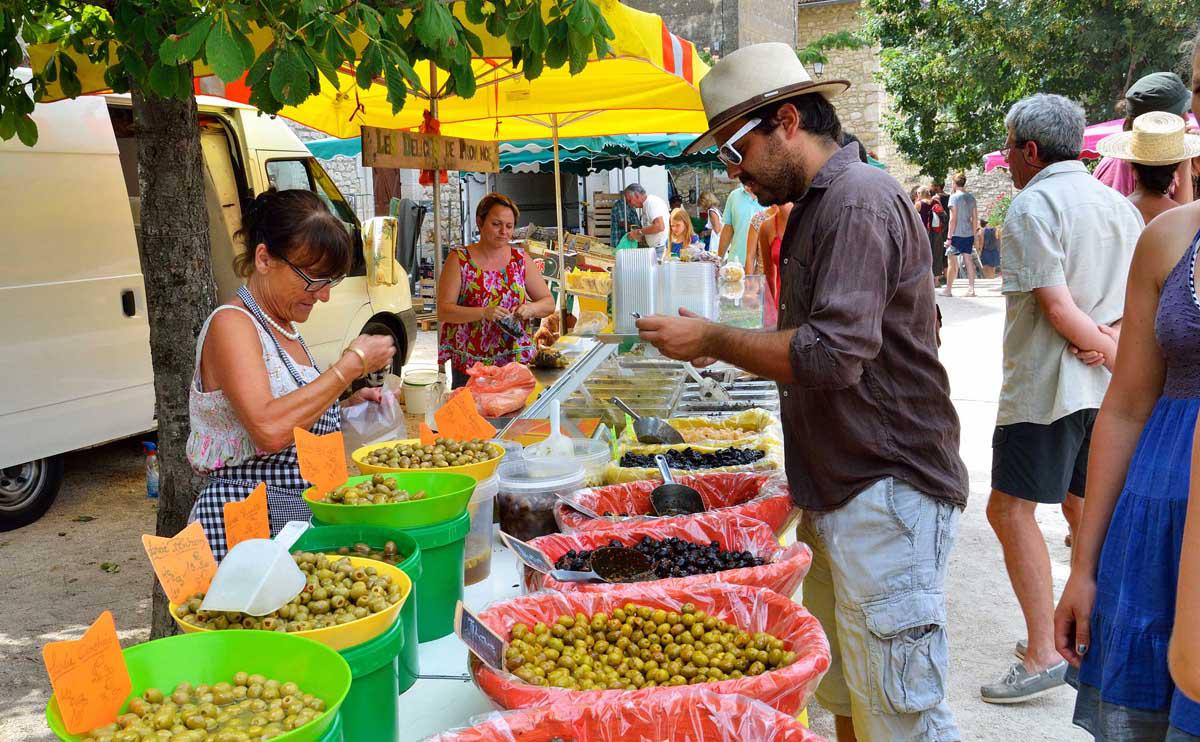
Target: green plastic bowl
(446,498)
(216,656)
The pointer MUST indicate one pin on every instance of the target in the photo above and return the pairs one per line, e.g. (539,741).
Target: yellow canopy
(648,85)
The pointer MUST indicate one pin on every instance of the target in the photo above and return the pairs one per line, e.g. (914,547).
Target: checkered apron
(280,471)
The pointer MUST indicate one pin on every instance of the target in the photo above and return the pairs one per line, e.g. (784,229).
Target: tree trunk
(180,292)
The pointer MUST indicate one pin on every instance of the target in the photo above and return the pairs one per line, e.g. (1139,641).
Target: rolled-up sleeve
(855,263)
(1033,257)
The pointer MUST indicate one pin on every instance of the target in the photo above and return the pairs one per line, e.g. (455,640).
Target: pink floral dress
(484,342)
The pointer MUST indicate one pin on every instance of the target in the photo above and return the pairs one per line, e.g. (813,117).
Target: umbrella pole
(562,267)
(437,185)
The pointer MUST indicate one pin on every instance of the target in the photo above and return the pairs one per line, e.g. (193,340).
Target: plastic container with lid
(594,456)
(529,490)
(478,549)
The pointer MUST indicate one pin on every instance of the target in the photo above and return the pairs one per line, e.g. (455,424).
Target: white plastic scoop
(557,445)
(258,575)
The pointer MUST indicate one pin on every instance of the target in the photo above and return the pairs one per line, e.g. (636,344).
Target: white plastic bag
(368,422)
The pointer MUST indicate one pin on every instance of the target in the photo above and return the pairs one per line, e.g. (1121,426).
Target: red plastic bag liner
(690,714)
(499,390)
(783,572)
(751,609)
(764,497)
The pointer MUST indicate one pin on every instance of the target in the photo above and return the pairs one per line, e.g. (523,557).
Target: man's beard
(778,182)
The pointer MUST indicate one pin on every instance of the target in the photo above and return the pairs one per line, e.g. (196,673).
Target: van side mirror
(380,235)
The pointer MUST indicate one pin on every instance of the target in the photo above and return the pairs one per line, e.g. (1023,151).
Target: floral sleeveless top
(484,342)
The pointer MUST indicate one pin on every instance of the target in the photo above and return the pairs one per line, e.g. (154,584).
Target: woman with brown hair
(487,294)
(255,380)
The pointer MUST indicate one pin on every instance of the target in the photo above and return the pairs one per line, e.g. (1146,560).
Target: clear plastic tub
(529,490)
(594,456)
(477,553)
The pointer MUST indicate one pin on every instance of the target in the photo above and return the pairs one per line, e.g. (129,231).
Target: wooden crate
(600,219)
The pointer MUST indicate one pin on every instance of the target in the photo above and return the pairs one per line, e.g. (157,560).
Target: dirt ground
(53,584)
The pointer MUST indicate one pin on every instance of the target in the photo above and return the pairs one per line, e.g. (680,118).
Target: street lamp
(819,69)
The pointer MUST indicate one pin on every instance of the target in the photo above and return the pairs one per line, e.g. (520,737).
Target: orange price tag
(184,562)
(459,419)
(89,676)
(322,459)
(247,519)
(428,437)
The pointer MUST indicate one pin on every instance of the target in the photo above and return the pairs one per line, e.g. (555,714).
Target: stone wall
(709,24)
(766,20)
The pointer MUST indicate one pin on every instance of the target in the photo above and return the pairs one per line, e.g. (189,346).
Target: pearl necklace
(293,335)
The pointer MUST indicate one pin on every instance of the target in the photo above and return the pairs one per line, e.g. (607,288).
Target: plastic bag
(783,571)
(499,390)
(764,497)
(368,422)
(758,423)
(590,323)
(627,243)
(690,713)
(751,609)
(773,460)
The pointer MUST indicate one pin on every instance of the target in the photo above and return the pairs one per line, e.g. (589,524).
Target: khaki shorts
(879,564)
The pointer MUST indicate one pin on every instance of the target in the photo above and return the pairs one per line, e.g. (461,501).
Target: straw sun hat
(1157,138)
(751,78)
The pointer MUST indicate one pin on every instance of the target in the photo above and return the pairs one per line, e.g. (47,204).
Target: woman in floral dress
(487,294)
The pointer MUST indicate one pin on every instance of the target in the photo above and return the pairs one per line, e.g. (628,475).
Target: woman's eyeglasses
(314,285)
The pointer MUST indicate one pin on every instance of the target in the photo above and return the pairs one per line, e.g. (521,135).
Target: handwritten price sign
(247,519)
(89,676)
(184,563)
(322,459)
(459,419)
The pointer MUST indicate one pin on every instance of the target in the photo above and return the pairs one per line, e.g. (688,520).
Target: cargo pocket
(909,656)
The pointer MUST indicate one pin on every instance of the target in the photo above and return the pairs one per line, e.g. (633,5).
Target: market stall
(405,579)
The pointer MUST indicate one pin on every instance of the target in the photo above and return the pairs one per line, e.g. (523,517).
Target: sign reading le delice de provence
(407,149)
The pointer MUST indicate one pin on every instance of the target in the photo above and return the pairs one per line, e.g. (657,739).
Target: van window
(306,174)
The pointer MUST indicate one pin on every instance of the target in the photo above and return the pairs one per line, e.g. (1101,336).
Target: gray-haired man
(1068,242)
(656,217)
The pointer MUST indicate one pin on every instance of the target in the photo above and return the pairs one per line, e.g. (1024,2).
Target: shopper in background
(655,217)
(709,209)
(1120,603)
(964,222)
(1155,147)
(1068,242)
(1159,91)
(255,381)
(772,224)
(870,433)
(622,219)
(988,241)
(681,232)
(487,294)
(740,208)
(934,216)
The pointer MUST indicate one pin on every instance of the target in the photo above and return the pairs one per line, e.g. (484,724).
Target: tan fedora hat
(1157,138)
(750,78)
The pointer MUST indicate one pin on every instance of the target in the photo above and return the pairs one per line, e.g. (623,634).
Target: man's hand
(683,338)
(1097,358)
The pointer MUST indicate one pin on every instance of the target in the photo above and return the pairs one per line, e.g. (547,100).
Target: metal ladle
(671,498)
(651,430)
(612,564)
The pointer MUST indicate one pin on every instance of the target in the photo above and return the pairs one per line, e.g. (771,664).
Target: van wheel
(27,491)
(376,378)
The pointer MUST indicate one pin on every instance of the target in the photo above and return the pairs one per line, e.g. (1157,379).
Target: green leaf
(224,52)
(68,78)
(8,124)
(397,90)
(162,80)
(556,53)
(370,66)
(258,71)
(580,49)
(433,24)
(180,48)
(464,80)
(581,17)
(538,37)
(533,66)
(27,130)
(414,80)
(50,71)
(289,78)
(475,11)
(327,68)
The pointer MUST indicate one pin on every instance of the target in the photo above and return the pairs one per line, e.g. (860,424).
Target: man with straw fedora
(1155,147)
(871,437)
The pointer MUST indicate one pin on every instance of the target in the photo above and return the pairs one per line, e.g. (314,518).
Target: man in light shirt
(1068,243)
(740,208)
(656,216)
(964,222)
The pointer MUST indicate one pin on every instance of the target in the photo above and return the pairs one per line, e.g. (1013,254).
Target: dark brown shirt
(871,400)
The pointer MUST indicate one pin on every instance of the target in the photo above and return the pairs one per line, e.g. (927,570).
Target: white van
(74,340)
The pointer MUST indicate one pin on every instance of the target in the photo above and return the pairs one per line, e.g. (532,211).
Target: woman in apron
(255,380)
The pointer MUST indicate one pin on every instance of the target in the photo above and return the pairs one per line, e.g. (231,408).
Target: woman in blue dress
(1114,621)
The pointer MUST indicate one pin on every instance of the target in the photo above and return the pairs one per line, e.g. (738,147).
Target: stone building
(724,25)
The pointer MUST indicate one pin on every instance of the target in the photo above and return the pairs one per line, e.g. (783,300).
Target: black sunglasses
(313,285)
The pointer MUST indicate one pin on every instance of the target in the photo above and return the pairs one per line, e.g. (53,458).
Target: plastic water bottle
(151,469)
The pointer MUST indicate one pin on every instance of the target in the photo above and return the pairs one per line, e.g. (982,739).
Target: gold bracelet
(340,375)
(361,356)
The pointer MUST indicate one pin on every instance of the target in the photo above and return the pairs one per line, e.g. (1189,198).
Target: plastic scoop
(557,445)
(710,389)
(670,498)
(613,564)
(258,575)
